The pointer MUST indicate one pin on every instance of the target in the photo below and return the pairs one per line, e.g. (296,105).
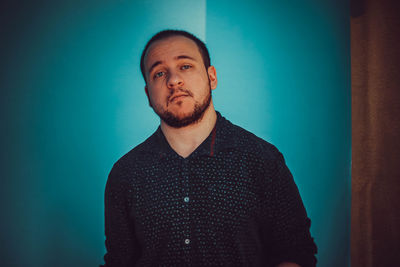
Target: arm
(121,244)
(287,234)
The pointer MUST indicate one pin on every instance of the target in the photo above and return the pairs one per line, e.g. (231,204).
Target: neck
(185,140)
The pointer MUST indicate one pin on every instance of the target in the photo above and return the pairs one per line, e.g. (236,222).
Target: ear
(147,93)
(212,75)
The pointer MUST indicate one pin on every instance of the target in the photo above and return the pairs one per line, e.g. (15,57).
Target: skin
(176,81)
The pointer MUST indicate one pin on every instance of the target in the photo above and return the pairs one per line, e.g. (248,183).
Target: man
(200,191)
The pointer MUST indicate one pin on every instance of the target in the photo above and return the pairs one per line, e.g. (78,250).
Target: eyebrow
(155,64)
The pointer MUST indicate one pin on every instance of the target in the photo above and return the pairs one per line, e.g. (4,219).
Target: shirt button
(186,199)
(187,241)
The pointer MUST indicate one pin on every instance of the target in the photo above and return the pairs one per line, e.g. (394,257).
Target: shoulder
(258,154)
(246,142)
(131,163)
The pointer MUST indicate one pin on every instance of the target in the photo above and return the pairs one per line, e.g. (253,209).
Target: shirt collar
(220,138)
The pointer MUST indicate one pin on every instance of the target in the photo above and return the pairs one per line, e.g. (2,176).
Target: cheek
(156,95)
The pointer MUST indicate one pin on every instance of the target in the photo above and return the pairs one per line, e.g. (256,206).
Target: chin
(183,110)
(182,115)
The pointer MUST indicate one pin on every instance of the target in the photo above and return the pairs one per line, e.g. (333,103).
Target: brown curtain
(375,56)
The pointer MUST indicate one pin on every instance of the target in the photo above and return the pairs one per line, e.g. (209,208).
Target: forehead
(171,47)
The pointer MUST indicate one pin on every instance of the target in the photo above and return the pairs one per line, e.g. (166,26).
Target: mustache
(179,90)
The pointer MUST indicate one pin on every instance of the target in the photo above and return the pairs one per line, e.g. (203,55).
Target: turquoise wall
(73,102)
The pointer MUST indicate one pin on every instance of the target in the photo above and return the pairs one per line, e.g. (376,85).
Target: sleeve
(121,244)
(287,235)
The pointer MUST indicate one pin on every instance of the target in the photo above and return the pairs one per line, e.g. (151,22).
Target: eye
(185,67)
(159,74)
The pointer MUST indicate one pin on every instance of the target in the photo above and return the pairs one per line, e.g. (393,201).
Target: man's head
(170,33)
(178,81)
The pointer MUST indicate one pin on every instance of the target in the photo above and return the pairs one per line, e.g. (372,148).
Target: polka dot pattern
(232,202)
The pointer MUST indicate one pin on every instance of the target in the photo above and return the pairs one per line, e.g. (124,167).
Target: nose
(174,80)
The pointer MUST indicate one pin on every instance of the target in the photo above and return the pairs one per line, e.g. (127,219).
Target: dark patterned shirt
(232,202)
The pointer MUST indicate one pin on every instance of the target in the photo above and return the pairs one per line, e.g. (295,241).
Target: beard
(193,117)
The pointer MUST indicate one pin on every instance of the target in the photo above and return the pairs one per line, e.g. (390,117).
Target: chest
(225,189)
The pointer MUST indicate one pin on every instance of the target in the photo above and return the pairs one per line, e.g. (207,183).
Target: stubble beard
(195,116)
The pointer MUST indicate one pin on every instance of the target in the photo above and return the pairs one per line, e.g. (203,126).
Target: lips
(174,97)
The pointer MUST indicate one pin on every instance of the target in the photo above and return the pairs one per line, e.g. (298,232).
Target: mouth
(177,97)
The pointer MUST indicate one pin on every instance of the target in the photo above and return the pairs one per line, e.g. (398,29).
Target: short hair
(170,33)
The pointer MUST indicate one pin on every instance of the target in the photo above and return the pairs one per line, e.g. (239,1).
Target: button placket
(185,176)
